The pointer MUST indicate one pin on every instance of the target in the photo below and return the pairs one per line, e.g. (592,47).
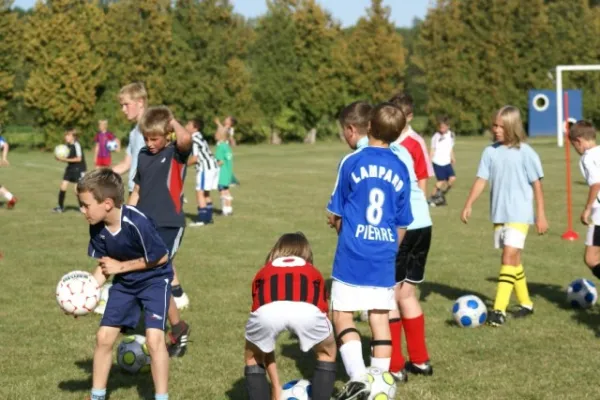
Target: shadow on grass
(117,379)
(450,292)
(238,391)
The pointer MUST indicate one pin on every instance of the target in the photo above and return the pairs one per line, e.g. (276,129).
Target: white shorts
(511,235)
(593,236)
(309,323)
(207,179)
(346,297)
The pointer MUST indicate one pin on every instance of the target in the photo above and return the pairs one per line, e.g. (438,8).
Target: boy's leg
(381,345)
(350,345)
(323,380)
(209,205)
(105,340)
(592,250)
(256,375)
(61,196)
(159,358)
(8,196)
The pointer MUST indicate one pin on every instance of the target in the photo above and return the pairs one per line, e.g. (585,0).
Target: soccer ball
(383,384)
(297,390)
(582,293)
(112,145)
(61,151)
(103,299)
(133,355)
(469,311)
(77,293)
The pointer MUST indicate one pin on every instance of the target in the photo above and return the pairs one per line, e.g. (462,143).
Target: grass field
(46,355)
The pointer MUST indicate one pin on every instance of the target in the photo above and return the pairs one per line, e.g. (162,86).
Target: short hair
(103,183)
(136,91)
(71,130)
(357,114)
(291,244)
(582,130)
(387,122)
(198,123)
(155,121)
(514,134)
(403,101)
(443,119)
(233,120)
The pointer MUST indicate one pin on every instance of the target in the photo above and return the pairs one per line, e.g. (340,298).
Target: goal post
(559,96)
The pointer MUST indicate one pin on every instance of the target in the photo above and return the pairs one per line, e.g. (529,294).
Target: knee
(104,340)
(155,341)
(406,291)
(511,258)
(590,260)
(326,350)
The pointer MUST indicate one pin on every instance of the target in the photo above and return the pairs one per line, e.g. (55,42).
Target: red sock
(414,330)
(397,362)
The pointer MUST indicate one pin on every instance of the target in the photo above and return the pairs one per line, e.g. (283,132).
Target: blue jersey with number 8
(372,196)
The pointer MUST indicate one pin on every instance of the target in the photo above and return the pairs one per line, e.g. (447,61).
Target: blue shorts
(172,237)
(443,172)
(125,303)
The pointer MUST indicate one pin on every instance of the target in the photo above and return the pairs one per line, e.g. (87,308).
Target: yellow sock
(521,289)
(506,281)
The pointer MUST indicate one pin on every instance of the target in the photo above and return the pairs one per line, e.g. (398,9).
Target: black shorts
(73,175)
(412,255)
(172,237)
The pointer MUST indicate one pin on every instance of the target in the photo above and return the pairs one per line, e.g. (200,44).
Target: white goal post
(559,95)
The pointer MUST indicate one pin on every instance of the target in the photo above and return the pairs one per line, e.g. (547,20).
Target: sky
(346,11)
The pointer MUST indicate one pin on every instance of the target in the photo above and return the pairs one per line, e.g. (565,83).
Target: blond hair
(291,244)
(135,91)
(387,122)
(582,130)
(103,183)
(514,134)
(156,121)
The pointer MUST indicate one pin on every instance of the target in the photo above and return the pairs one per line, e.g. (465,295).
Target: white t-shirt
(590,168)
(442,145)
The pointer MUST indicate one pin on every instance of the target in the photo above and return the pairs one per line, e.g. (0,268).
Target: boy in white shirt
(442,157)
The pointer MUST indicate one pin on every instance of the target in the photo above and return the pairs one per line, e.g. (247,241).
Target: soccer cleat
(196,223)
(58,209)
(178,345)
(11,203)
(496,318)
(419,369)
(354,390)
(522,312)
(182,302)
(400,376)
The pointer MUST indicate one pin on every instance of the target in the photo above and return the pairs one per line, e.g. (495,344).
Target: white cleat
(182,302)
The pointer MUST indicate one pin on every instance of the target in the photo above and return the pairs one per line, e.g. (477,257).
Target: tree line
(288,72)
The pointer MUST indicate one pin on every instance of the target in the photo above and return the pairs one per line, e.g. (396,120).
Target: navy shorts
(412,255)
(126,303)
(443,172)
(172,237)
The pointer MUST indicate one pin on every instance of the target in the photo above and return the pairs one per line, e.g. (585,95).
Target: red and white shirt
(417,148)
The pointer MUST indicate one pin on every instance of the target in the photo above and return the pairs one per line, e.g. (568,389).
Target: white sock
(381,363)
(8,196)
(351,353)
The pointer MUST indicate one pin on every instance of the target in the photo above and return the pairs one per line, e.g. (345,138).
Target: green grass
(45,354)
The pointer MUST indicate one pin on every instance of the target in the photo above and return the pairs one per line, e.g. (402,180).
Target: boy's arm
(135,196)
(452,158)
(476,190)
(99,275)
(110,266)
(192,160)
(5,153)
(96,148)
(592,198)
(271,368)
(183,137)
(540,222)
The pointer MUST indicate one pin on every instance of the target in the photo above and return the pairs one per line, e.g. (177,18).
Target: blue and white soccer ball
(469,311)
(383,384)
(297,390)
(582,293)
(112,145)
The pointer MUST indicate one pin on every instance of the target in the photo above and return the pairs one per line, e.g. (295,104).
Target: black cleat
(400,376)
(496,318)
(178,345)
(353,390)
(419,369)
(522,312)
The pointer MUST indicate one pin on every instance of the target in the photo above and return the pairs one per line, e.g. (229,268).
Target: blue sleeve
(180,156)
(147,236)
(97,247)
(404,216)
(533,165)
(483,171)
(340,191)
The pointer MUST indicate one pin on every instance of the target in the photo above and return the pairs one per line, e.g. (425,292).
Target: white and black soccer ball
(383,384)
(133,355)
(61,151)
(469,311)
(77,293)
(582,293)
(112,145)
(297,390)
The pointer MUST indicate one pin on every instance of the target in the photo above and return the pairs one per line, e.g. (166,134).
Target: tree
(10,58)
(66,68)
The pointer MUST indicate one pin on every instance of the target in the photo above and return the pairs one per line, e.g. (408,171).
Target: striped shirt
(206,160)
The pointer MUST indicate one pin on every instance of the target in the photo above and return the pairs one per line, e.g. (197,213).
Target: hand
(585,216)
(466,214)
(331,220)
(541,224)
(110,266)
(61,159)
(217,121)
(453,161)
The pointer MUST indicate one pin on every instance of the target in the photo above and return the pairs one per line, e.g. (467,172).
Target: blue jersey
(137,238)
(372,196)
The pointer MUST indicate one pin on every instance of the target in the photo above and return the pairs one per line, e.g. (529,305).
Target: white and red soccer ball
(77,293)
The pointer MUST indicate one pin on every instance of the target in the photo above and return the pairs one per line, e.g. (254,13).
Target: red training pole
(570,234)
